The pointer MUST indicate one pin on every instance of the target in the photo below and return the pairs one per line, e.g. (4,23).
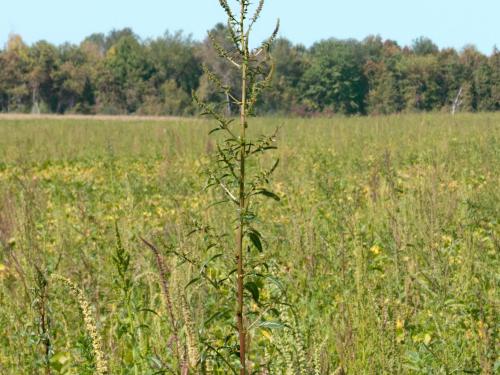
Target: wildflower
(375,250)
(447,240)
(427,339)
(400,324)
(482,329)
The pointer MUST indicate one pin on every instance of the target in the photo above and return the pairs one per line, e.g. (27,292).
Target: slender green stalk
(242,200)
(232,170)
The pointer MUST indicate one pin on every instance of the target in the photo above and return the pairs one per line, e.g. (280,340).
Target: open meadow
(384,247)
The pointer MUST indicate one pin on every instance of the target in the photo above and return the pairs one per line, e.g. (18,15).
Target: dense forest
(119,73)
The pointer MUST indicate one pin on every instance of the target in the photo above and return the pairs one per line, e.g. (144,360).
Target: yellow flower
(400,324)
(267,335)
(3,271)
(427,339)
(160,211)
(482,329)
(375,249)
(447,240)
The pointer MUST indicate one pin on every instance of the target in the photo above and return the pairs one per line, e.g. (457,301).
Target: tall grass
(386,242)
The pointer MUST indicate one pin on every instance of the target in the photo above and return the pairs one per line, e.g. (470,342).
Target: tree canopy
(119,73)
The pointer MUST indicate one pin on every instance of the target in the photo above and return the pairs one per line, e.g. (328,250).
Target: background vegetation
(119,73)
(385,240)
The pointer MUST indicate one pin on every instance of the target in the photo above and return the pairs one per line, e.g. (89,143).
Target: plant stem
(163,271)
(44,324)
(240,232)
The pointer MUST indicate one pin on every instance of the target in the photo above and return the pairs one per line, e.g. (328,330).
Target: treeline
(119,73)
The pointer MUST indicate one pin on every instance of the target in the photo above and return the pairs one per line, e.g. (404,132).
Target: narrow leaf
(253,289)
(271,325)
(255,238)
(269,194)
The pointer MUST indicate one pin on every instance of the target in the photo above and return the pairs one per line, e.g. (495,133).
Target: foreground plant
(101,367)
(236,174)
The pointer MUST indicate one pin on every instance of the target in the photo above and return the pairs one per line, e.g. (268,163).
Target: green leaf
(204,265)
(214,130)
(192,281)
(254,290)
(157,362)
(210,246)
(217,315)
(249,216)
(275,281)
(59,360)
(255,238)
(271,325)
(275,165)
(144,309)
(268,194)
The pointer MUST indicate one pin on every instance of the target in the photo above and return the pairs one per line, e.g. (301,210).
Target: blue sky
(449,23)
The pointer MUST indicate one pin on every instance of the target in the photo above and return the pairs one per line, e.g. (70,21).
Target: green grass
(386,239)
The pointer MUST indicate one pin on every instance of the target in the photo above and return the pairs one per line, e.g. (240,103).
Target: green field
(385,242)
